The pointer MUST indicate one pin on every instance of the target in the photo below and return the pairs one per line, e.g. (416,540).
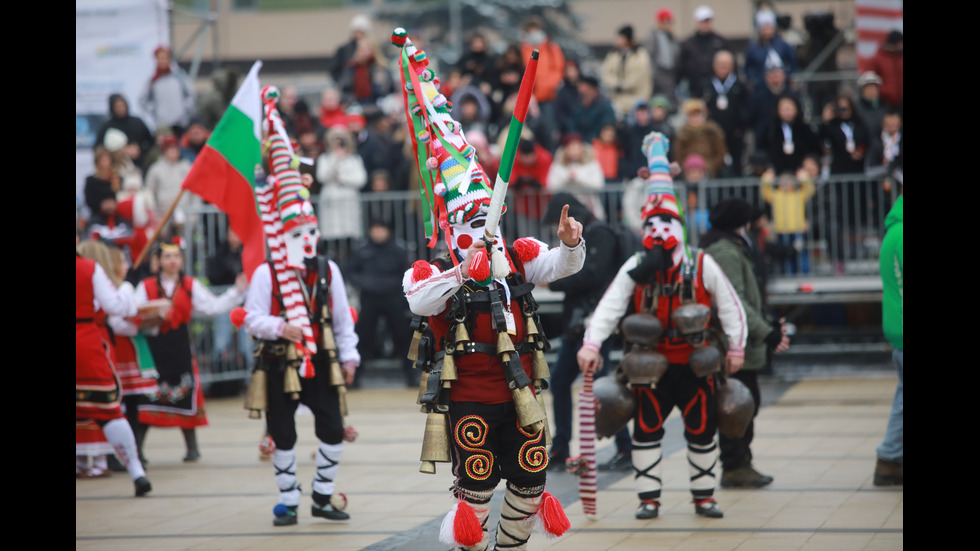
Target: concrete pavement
(816,436)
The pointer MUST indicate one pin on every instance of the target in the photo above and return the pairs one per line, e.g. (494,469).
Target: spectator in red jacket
(888,63)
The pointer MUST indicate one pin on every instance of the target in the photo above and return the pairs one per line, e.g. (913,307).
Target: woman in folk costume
(297,309)
(134,362)
(478,388)
(179,401)
(97,388)
(660,281)
(90,441)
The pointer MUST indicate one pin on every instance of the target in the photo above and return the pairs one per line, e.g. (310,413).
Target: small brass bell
(539,366)
(462,335)
(413,349)
(448,368)
(530,326)
(504,345)
(256,399)
(291,383)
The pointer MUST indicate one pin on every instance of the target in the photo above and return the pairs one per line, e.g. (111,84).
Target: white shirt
(618,296)
(112,300)
(202,299)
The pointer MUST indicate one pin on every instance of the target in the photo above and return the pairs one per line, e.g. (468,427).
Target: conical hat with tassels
(292,194)
(453,185)
(661,195)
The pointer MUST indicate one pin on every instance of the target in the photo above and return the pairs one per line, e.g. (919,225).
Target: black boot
(190,440)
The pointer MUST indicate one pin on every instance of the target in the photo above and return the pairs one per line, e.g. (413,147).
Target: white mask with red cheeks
(301,245)
(668,234)
(472,231)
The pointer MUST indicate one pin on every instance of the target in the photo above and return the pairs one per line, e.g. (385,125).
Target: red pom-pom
(480,266)
(527,249)
(237,317)
(421,270)
(353,314)
(643,173)
(466,527)
(553,515)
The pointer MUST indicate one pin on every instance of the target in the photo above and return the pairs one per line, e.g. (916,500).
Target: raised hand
(569,229)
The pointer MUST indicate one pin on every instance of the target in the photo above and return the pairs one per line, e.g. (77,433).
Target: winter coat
(732,254)
(706,140)
(341,178)
(892,277)
(627,78)
(755,60)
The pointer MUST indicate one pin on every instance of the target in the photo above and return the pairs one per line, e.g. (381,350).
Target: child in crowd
(788,195)
(608,152)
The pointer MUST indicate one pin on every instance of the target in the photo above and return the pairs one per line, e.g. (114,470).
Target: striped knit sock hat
(292,194)
(661,195)
(453,187)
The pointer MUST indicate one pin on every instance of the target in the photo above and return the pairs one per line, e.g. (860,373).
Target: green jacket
(734,260)
(892,279)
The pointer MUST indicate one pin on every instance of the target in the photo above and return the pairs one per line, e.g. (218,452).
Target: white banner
(114,43)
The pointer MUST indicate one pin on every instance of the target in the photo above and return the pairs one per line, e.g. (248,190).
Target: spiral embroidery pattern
(471,435)
(533,456)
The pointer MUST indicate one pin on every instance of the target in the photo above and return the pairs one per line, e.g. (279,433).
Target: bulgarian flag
(223,173)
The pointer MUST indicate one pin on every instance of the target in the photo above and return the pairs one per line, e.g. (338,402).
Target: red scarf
(159,73)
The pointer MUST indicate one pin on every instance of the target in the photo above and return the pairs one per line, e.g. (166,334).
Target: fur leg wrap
(702,459)
(466,523)
(327,464)
(284,462)
(519,505)
(648,469)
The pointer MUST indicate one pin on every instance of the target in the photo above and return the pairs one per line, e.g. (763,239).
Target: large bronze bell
(705,360)
(643,330)
(735,407)
(435,442)
(644,367)
(530,414)
(614,406)
(691,318)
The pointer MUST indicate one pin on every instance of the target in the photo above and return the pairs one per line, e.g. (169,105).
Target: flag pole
(156,232)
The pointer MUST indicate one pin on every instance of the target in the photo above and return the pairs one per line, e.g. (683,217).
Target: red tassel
(421,270)
(527,249)
(480,266)
(237,317)
(466,527)
(553,515)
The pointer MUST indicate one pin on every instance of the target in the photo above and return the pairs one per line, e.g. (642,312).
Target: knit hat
(765,17)
(626,31)
(703,13)
(868,77)
(731,213)
(694,161)
(664,14)
(661,196)
(660,100)
(454,187)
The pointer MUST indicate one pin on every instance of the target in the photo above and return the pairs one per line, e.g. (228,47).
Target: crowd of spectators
(729,112)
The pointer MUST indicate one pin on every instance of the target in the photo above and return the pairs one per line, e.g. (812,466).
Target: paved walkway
(817,438)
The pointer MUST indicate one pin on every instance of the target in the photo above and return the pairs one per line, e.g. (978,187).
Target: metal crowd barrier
(845,223)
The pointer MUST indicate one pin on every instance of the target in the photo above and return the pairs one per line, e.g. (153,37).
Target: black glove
(774,337)
(653,261)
